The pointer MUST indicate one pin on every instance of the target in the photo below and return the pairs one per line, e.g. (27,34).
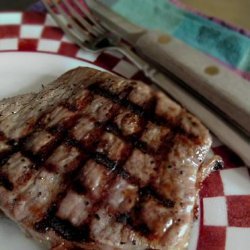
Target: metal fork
(81,26)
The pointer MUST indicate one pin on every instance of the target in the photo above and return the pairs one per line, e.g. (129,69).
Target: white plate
(23,72)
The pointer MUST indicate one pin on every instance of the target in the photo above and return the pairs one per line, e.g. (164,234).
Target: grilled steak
(96,162)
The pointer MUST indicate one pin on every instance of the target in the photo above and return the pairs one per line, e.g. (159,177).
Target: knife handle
(221,86)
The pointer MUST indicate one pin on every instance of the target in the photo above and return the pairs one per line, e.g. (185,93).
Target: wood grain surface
(236,12)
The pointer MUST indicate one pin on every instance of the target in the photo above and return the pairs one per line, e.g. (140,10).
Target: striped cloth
(218,39)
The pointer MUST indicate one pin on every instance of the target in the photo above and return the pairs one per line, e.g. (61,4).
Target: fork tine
(90,28)
(88,14)
(78,40)
(74,25)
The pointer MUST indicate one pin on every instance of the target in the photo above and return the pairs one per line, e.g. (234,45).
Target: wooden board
(236,12)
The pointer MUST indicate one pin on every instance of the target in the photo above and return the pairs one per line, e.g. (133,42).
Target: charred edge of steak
(218,165)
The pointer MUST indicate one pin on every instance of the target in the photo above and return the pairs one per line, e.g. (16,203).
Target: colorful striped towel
(217,39)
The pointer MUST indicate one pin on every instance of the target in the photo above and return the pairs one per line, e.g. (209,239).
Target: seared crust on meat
(94,161)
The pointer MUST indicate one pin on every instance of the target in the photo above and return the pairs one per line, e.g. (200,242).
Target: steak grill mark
(64,228)
(146,114)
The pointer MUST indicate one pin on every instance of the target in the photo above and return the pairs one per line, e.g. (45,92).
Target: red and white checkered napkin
(225,205)
(225,198)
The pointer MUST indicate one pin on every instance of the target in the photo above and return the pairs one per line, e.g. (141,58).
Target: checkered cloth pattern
(33,31)
(224,221)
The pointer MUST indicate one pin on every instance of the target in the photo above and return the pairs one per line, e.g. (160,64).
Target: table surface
(231,11)
(15,4)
